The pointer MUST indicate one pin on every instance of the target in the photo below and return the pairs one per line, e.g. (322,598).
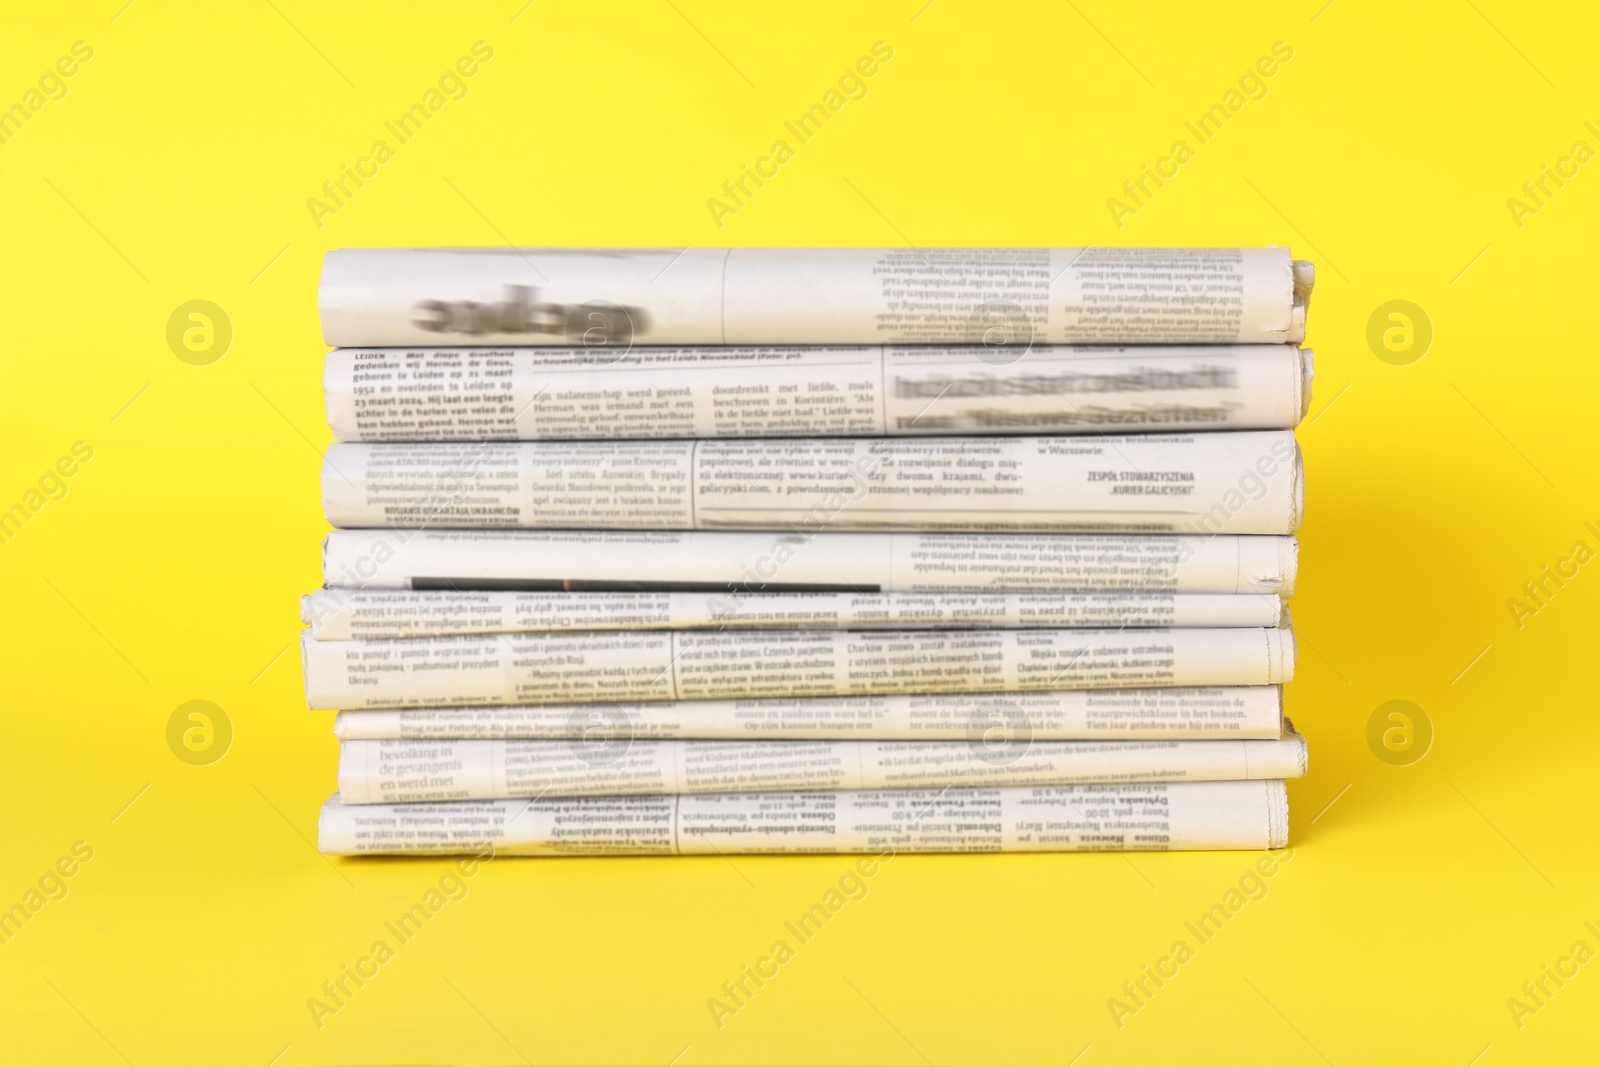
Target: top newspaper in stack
(1001,370)
(619,297)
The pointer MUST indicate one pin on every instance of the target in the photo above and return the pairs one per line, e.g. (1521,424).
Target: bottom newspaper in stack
(1085,818)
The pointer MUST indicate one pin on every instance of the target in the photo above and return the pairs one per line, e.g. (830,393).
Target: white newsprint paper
(534,394)
(723,665)
(351,614)
(401,772)
(1157,817)
(1231,712)
(1248,482)
(616,297)
(744,563)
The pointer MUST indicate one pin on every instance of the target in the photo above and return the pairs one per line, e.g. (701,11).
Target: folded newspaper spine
(742,563)
(346,615)
(610,297)
(1155,817)
(1001,754)
(686,665)
(1227,712)
(499,394)
(1248,482)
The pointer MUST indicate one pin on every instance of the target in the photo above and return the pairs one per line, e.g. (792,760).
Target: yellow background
(178,166)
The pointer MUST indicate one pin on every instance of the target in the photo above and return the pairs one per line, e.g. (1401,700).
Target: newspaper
(1156,817)
(1247,482)
(1003,754)
(615,297)
(713,562)
(507,394)
(592,668)
(1230,712)
(345,615)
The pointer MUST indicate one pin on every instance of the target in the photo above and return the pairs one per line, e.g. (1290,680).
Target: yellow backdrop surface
(1436,910)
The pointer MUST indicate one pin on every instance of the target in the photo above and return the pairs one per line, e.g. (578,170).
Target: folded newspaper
(999,753)
(744,563)
(724,665)
(531,394)
(1001,297)
(1248,482)
(351,614)
(1158,817)
(1227,712)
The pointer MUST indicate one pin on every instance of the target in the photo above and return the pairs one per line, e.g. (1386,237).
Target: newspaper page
(1156,817)
(1230,712)
(618,297)
(746,562)
(1219,483)
(351,614)
(400,772)
(685,665)
(529,394)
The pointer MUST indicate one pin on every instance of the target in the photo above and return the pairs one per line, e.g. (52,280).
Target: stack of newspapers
(797,550)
